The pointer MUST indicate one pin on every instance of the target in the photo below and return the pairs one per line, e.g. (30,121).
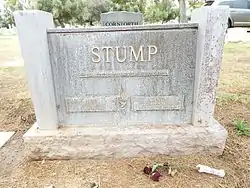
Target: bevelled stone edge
(124,28)
(99,143)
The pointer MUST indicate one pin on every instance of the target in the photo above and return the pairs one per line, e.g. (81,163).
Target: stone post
(31,28)
(211,35)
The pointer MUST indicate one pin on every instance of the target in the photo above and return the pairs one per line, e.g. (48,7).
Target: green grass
(242,127)
(224,98)
(234,83)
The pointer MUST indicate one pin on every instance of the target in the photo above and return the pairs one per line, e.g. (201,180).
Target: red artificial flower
(155,176)
(147,170)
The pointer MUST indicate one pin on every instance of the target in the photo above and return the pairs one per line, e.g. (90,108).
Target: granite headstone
(121,18)
(123,91)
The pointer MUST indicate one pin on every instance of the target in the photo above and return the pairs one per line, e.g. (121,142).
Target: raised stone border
(89,142)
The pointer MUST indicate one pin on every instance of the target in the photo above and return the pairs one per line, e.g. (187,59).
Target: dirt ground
(16,114)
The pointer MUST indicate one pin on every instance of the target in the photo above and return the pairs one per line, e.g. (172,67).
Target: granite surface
(124,91)
(113,142)
(118,18)
(211,36)
(35,53)
(124,76)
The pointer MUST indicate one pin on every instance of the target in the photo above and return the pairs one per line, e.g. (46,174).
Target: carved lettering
(118,53)
(107,53)
(151,52)
(136,55)
(119,23)
(97,56)
(121,54)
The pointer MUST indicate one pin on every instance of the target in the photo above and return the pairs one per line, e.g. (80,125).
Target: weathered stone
(112,92)
(125,91)
(121,18)
(32,34)
(92,142)
(212,31)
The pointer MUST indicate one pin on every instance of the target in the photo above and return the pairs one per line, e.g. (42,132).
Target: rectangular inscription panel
(157,103)
(124,75)
(92,104)
(136,103)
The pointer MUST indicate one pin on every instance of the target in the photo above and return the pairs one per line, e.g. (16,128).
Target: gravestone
(123,91)
(121,18)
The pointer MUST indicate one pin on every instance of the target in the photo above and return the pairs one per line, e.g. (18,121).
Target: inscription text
(121,54)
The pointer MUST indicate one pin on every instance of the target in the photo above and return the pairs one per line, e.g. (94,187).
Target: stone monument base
(93,142)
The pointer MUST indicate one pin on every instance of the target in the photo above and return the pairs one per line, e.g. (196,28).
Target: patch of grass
(242,127)
(228,97)
(225,98)
(234,84)
(9,49)
(13,83)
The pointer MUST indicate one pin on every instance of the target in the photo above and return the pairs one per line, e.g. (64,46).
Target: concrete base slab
(92,142)
(4,137)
